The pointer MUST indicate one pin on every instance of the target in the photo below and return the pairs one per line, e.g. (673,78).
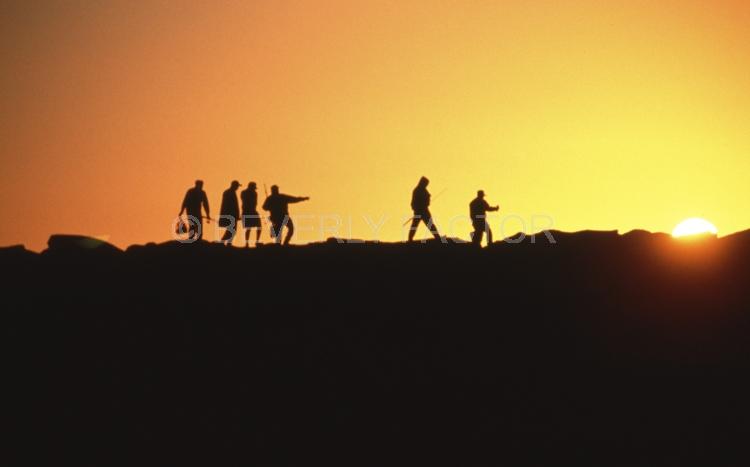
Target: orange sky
(604,115)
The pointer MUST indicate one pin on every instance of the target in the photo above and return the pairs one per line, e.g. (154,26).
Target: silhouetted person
(478,210)
(195,198)
(278,205)
(230,213)
(250,216)
(420,203)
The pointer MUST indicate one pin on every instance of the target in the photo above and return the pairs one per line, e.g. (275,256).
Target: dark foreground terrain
(601,349)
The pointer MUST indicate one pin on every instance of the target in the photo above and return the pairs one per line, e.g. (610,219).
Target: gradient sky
(601,115)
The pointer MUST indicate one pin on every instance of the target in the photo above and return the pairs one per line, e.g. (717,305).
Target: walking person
(420,204)
(195,199)
(230,213)
(250,216)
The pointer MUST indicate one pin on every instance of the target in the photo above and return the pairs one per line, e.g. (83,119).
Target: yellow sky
(602,115)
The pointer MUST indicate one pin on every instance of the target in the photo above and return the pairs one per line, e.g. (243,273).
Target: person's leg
(257,235)
(245,223)
(289,230)
(431,225)
(476,236)
(276,231)
(196,226)
(414,224)
(489,235)
(192,231)
(232,231)
(229,231)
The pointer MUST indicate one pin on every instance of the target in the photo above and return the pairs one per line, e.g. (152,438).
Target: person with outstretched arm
(478,209)
(278,205)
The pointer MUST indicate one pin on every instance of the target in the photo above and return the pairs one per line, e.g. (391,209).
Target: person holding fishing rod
(420,204)
(195,198)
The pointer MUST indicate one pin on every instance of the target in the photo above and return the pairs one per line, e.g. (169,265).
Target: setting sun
(694,226)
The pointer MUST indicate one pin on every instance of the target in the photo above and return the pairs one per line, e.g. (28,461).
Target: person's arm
(489,208)
(236,205)
(297,199)
(205,205)
(184,204)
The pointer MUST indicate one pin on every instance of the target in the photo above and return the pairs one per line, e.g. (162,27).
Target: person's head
(480,194)
(199,184)
(423,182)
(274,189)
(235,185)
(252,186)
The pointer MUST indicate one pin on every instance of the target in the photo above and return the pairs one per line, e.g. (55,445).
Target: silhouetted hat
(235,183)
(480,193)
(252,185)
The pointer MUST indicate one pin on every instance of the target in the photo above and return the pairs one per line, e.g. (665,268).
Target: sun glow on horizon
(694,226)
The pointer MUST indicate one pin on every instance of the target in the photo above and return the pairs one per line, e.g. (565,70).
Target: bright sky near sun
(599,115)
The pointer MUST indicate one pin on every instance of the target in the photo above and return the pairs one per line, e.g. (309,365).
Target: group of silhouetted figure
(277,204)
(478,209)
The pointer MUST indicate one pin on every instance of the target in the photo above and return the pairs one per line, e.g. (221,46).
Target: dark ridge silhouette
(79,243)
(600,349)
(16,253)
